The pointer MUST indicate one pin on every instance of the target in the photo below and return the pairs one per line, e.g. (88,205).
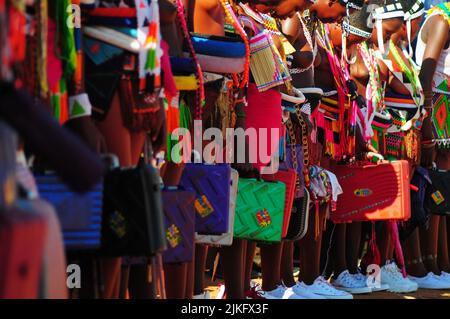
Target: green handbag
(259,210)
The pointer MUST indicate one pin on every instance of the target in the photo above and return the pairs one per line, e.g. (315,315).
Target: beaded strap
(201,89)
(238,27)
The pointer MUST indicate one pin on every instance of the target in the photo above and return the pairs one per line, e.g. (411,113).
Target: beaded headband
(390,11)
(394,10)
(349,29)
(352,4)
(416,11)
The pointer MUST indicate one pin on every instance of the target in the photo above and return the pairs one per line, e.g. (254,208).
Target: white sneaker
(346,282)
(205,295)
(371,283)
(323,288)
(430,281)
(445,276)
(392,276)
(279,293)
(303,290)
(221,292)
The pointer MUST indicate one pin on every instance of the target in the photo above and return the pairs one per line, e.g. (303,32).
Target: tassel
(185,115)
(397,245)
(41,63)
(282,147)
(173,122)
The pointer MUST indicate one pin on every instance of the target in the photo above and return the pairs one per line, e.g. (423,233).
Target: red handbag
(289,178)
(373,192)
(22,238)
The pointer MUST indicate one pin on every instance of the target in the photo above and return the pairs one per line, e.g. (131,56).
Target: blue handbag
(211,184)
(80,215)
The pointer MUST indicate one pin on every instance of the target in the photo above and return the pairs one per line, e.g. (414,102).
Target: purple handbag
(211,184)
(179,225)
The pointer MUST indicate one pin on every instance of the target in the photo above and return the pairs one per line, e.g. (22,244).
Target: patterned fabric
(441,120)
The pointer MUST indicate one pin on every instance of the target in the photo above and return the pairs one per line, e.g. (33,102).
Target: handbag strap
(229,12)
(201,90)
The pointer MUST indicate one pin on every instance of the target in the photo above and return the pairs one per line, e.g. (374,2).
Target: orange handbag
(373,192)
(289,178)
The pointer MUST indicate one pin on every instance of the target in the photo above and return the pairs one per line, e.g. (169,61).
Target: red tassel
(372,256)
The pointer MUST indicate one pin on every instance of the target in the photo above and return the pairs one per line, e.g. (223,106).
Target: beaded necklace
(411,73)
(200,98)
(267,21)
(345,127)
(238,27)
(375,88)
(443,9)
(312,45)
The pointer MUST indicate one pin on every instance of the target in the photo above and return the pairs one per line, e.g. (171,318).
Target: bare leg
(139,285)
(443,162)
(429,244)
(270,265)
(384,243)
(233,263)
(353,243)
(413,255)
(249,257)
(338,249)
(310,249)
(287,264)
(124,281)
(190,278)
(443,258)
(175,276)
(201,254)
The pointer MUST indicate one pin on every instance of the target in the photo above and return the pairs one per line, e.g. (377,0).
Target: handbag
(289,178)
(22,240)
(179,225)
(420,202)
(373,192)
(225,239)
(267,71)
(137,107)
(299,221)
(80,215)
(439,199)
(132,223)
(259,210)
(211,184)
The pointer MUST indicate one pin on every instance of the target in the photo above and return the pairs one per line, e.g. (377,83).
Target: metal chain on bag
(305,147)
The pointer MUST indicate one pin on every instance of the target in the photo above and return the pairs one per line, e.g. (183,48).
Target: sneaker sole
(355,291)
(435,288)
(402,290)
(311,297)
(374,289)
(338,297)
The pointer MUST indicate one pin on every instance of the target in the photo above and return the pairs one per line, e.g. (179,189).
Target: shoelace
(348,279)
(325,284)
(393,269)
